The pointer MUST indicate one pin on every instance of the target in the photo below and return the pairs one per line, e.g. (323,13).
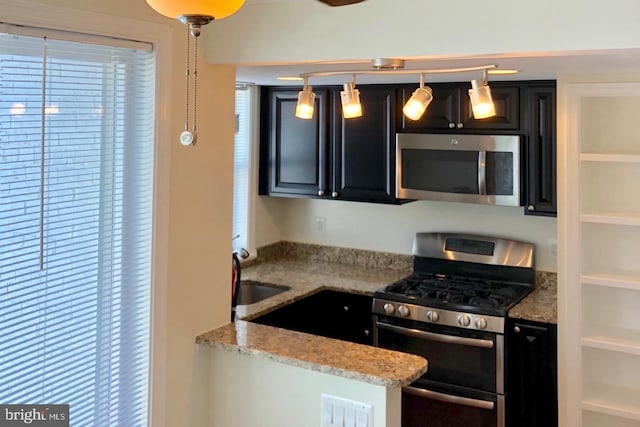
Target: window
(243,190)
(76,181)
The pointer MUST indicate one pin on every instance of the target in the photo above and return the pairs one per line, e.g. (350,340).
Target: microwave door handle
(482,182)
(456,400)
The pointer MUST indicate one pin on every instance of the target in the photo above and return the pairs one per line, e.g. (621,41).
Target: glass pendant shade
(306,100)
(481,101)
(217,9)
(418,103)
(350,96)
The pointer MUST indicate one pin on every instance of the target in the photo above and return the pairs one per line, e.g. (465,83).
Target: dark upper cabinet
(364,148)
(328,156)
(450,110)
(293,152)
(541,162)
(354,159)
(532,392)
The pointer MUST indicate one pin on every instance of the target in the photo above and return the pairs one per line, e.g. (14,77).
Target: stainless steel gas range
(451,310)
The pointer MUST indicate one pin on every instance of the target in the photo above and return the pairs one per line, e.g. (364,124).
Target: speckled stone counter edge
(348,360)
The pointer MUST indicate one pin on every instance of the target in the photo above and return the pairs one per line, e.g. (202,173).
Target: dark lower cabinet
(328,313)
(531,374)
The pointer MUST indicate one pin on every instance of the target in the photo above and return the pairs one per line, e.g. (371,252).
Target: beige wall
(307,30)
(390,228)
(194,196)
(258,392)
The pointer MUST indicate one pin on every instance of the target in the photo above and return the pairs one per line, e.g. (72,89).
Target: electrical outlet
(339,412)
(553,247)
(321,224)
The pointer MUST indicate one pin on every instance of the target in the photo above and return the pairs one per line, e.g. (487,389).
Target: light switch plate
(339,412)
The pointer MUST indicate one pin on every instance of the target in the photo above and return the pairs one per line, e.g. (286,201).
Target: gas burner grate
(455,290)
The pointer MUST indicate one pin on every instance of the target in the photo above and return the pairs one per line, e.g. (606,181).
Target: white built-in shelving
(599,236)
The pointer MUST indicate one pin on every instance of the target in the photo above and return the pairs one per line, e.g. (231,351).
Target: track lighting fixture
(350,96)
(481,100)
(419,101)
(306,102)
(479,94)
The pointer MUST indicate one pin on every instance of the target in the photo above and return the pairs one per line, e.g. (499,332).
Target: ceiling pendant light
(350,96)
(195,14)
(481,101)
(306,102)
(415,107)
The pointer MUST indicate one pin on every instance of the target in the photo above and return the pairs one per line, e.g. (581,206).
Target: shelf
(615,218)
(618,401)
(612,280)
(613,339)
(612,158)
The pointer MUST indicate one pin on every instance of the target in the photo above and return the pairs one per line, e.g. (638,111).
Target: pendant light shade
(481,100)
(305,105)
(350,96)
(419,101)
(216,9)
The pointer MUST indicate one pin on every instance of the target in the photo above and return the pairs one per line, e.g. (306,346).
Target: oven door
(426,404)
(456,356)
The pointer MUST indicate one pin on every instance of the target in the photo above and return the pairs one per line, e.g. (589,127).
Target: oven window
(440,170)
(449,363)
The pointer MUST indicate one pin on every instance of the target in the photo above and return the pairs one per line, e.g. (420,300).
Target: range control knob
(481,323)
(389,308)
(403,311)
(463,320)
(433,316)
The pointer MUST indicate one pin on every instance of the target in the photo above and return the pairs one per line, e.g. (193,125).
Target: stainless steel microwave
(459,168)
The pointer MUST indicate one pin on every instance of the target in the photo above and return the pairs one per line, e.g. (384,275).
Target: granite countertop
(355,361)
(541,304)
(307,269)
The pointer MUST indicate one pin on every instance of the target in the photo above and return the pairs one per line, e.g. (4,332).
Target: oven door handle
(482,173)
(456,400)
(449,339)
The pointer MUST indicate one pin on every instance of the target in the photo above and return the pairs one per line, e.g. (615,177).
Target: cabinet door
(442,113)
(532,393)
(364,148)
(541,185)
(506,100)
(293,150)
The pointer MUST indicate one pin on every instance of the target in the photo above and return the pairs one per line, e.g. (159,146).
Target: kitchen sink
(251,291)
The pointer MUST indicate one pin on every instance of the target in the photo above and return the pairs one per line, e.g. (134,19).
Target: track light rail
(397,71)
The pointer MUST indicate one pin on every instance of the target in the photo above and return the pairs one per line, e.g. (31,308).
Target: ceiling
(530,66)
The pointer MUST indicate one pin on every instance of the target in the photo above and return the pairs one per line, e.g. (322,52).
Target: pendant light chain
(188,72)
(195,87)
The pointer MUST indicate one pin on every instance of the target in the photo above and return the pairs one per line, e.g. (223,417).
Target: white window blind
(76,179)
(242,169)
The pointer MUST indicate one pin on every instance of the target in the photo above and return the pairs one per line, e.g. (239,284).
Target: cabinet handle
(334,194)
(531,208)
(366,332)
(516,329)
(452,125)
(460,125)
(345,308)
(320,193)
